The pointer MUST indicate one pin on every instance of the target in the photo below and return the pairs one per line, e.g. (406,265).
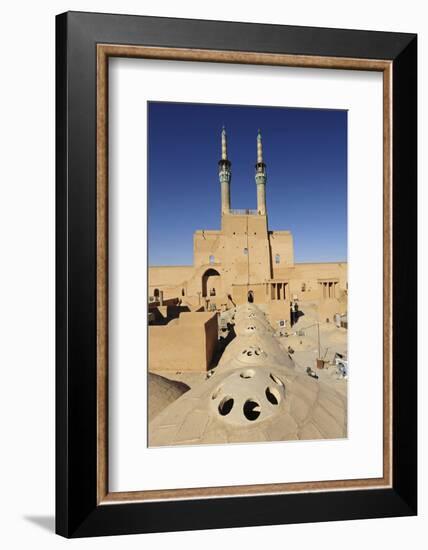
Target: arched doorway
(211,283)
(250,296)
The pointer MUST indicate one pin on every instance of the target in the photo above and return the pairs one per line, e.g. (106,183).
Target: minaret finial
(259,146)
(223,143)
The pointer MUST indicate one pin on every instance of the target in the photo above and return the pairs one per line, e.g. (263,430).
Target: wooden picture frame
(84,505)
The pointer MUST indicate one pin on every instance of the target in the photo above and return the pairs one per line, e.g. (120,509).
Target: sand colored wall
(281,243)
(206,244)
(240,253)
(164,314)
(193,302)
(240,293)
(277,311)
(328,308)
(169,275)
(170,279)
(313,274)
(308,276)
(243,257)
(186,344)
(303,280)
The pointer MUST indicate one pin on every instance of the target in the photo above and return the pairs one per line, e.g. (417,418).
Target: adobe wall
(185,344)
(211,338)
(164,314)
(240,293)
(170,279)
(240,253)
(328,308)
(169,274)
(304,279)
(278,311)
(206,244)
(246,254)
(282,249)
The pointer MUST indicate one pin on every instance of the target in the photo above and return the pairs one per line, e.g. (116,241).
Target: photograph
(213,266)
(247,274)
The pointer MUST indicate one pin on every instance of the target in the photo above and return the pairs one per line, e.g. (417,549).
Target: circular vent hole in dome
(251,410)
(276,380)
(273,396)
(244,352)
(226,406)
(247,374)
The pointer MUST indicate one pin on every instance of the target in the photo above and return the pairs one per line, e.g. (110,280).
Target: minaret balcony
(243,212)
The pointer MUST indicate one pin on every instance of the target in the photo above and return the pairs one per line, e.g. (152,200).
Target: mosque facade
(244,261)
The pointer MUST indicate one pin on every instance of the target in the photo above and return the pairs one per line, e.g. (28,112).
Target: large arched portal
(211,283)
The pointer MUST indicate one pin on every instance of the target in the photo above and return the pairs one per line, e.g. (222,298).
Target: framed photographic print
(236,243)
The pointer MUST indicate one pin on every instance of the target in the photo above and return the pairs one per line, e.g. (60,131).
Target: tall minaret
(260,177)
(224,174)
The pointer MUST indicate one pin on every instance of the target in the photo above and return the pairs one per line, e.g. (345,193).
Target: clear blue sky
(305,151)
